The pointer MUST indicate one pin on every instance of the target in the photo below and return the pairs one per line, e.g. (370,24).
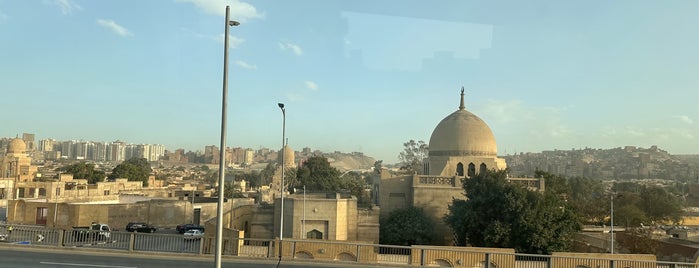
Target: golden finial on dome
(461,107)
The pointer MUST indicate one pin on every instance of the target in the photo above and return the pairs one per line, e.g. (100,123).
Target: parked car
(183,228)
(140,227)
(193,234)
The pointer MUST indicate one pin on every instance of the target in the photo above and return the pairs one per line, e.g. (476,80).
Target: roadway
(17,256)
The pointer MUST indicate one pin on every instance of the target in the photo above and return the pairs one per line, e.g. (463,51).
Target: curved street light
(281,216)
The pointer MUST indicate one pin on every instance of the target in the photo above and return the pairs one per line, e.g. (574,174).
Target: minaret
(461,106)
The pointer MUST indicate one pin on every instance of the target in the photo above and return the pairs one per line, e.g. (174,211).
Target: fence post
(357,255)
(422,257)
(270,249)
(487,260)
(61,237)
(549,262)
(132,241)
(612,263)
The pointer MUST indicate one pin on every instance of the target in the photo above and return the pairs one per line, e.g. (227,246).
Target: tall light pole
(611,223)
(281,213)
(222,149)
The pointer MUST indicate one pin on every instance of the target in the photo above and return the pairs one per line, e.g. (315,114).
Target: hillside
(620,163)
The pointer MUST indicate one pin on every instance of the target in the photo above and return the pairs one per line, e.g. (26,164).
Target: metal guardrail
(334,251)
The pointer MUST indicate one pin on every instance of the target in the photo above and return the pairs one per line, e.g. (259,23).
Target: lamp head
(281,105)
(233,23)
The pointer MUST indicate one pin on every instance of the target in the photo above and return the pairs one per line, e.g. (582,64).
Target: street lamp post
(303,225)
(611,223)
(222,149)
(281,213)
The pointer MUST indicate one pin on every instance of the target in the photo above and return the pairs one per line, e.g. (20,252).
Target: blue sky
(354,75)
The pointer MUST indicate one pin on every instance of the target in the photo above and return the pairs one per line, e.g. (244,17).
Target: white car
(193,234)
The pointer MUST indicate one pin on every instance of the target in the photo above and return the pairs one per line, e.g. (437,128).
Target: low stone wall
(601,260)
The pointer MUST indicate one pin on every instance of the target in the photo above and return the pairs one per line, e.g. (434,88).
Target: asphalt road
(36,257)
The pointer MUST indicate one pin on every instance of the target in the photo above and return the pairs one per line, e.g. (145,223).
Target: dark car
(140,227)
(182,228)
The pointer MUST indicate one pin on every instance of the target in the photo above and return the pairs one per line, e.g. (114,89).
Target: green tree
(231,190)
(86,171)
(267,174)
(134,169)
(412,156)
(589,200)
(318,175)
(660,206)
(378,166)
(406,227)
(498,213)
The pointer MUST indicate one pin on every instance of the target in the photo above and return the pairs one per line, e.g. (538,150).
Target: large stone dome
(462,133)
(17,145)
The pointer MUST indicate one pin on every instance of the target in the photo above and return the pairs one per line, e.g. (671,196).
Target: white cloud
(685,119)
(293,47)
(67,6)
(233,41)
(240,11)
(118,29)
(295,97)
(311,85)
(246,65)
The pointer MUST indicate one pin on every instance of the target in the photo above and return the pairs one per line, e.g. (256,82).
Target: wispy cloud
(66,6)
(233,41)
(311,85)
(295,97)
(293,47)
(685,119)
(116,28)
(240,11)
(246,65)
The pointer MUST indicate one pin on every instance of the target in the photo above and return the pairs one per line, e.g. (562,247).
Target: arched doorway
(483,168)
(460,169)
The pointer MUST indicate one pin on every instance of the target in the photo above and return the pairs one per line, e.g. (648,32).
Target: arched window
(460,169)
(471,170)
(314,234)
(483,169)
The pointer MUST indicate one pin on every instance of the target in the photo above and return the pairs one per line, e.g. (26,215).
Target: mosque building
(461,146)
(15,166)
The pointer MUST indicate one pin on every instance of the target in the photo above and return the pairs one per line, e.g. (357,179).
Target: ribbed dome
(17,145)
(462,134)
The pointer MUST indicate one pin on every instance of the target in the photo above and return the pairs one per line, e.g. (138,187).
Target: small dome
(462,134)
(17,145)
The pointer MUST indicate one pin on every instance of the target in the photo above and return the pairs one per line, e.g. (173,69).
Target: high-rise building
(116,151)
(46,145)
(99,151)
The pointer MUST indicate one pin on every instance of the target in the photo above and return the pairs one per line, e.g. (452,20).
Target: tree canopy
(412,156)
(406,227)
(636,204)
(585,196)
(134,169)
(498,213)
(317,174)
(86,171)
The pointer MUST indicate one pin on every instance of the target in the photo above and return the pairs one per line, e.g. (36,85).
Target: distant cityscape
(118,151)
